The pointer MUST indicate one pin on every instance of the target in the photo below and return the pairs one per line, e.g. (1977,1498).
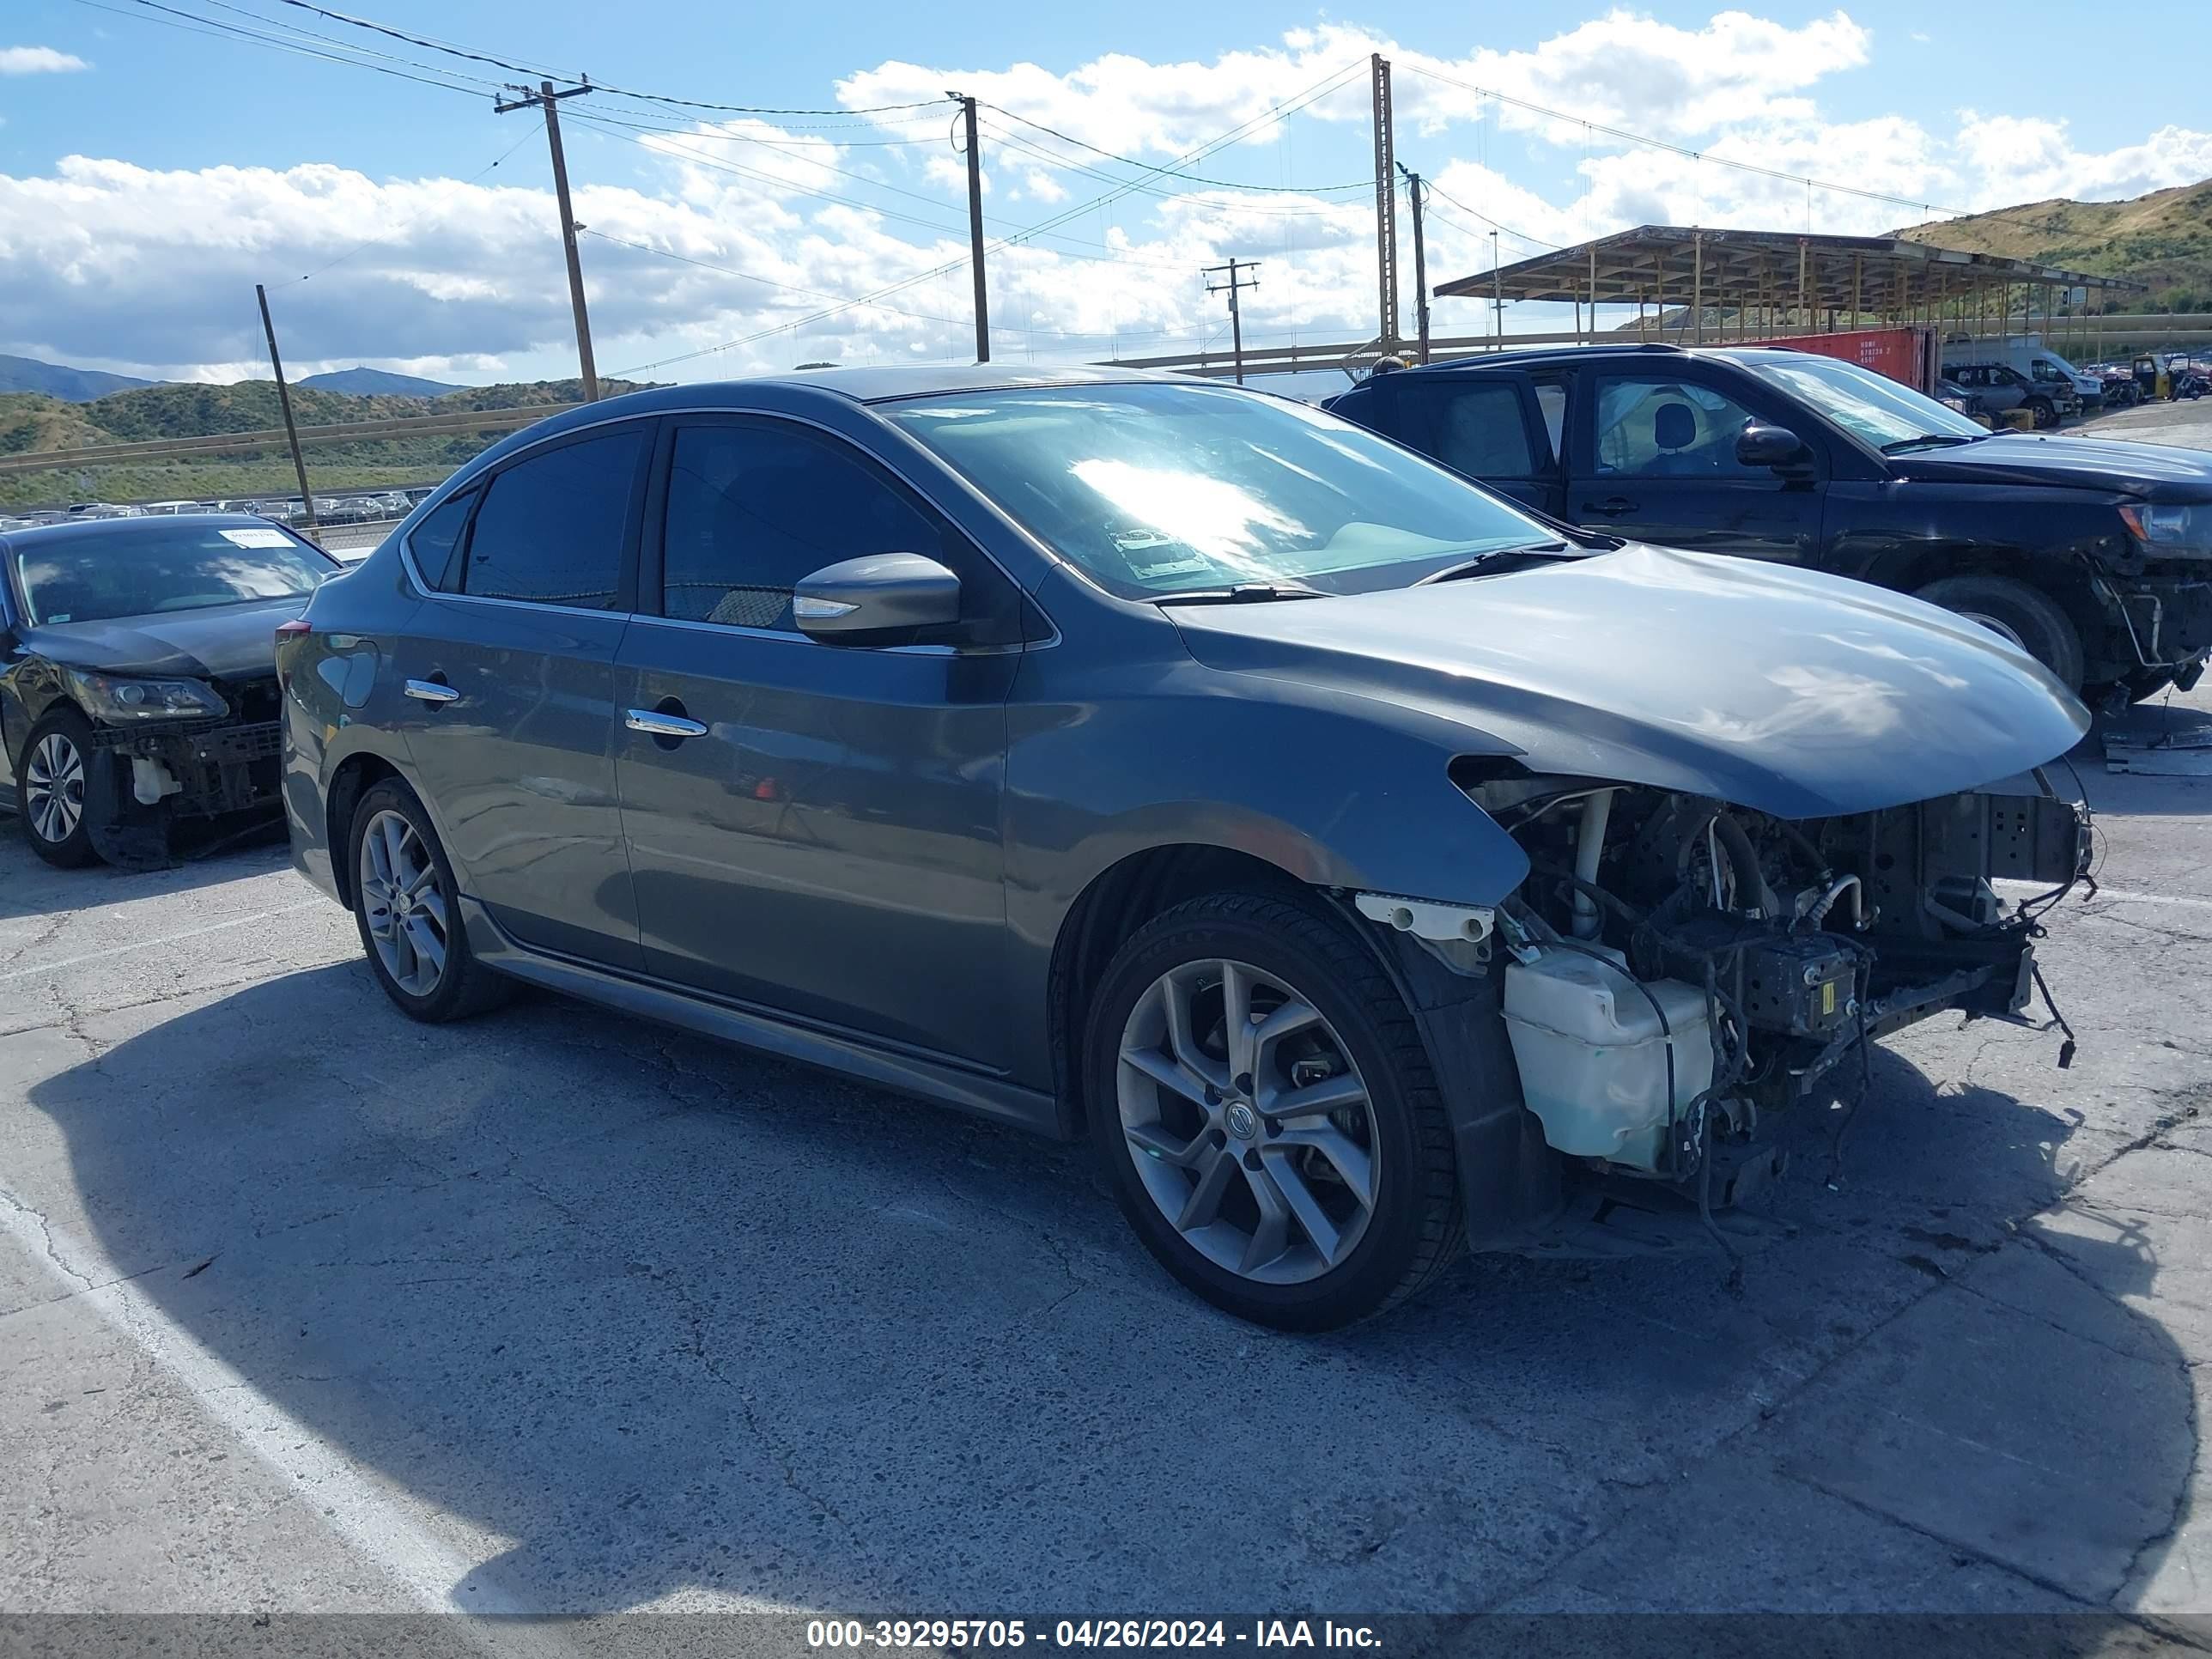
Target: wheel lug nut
(1251,1159)
(1244,1083)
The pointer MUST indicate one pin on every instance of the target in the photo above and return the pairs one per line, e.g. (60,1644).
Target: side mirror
(1770,445)
(858,600)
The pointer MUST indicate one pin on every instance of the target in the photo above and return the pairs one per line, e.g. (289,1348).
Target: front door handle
(432,691)
(659,725)
(1611,508)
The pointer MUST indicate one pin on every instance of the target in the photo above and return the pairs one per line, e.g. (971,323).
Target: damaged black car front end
(138,687)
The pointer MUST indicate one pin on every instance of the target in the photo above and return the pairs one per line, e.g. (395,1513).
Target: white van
(2032,357)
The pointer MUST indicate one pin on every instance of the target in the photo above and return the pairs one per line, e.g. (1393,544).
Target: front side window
(143,568)
(755,508)
(1652,427)
(551,528)
(1158,489)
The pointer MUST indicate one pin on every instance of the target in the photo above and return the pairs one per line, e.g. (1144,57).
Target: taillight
(298,628)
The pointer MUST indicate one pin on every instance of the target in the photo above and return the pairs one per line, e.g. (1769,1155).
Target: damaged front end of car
(172,753)
(1679,978)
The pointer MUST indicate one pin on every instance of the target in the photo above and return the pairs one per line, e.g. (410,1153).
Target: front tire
(2045,413)
(407,908)
(1262,1103)
(2027,617)
(53,779)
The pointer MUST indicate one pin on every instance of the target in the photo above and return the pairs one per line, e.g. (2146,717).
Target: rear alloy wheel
(1263,1106)
(2021,616)
(54,772)
(407,908)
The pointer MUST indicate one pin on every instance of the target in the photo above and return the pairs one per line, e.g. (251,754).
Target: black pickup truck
(2094,557)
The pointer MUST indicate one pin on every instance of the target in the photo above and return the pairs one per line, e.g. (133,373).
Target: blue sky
(151,172)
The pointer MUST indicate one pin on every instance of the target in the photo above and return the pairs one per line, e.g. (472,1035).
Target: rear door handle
(1611,508)
(659,725)
(432,691)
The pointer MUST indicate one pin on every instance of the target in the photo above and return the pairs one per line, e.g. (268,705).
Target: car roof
(1632,351)
(795,389)
(44,534)
(881,385)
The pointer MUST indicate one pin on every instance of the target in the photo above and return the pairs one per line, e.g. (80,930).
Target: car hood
(2153,472)
(229,641)
(1786,692)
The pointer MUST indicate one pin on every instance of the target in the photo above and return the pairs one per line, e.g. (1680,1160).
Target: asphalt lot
(303,1307)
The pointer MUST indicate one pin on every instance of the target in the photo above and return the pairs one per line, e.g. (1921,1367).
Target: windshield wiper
(1452,573)
(1931,441)
(1242,593)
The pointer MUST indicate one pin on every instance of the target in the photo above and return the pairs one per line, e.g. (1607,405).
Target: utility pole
(1420,262)
(548,100)
(1497,292)
(976,226)
(284,402)
(1386,207)
(1236,318)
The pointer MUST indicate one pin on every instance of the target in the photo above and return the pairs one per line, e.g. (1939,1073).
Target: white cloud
(105,262)
(39,60)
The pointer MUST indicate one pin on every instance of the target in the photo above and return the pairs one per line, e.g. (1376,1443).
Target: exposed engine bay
(1677,971)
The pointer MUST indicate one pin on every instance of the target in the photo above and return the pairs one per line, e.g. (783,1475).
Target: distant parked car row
(368,508)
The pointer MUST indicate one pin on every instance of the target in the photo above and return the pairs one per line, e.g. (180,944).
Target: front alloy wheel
(1250,1126)
(1260,1100)
(53,788)
(53,774)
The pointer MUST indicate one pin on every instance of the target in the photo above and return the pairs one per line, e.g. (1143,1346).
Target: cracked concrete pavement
(305,1307)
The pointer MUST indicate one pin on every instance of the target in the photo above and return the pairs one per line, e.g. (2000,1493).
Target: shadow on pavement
(676,1320)
(31,887)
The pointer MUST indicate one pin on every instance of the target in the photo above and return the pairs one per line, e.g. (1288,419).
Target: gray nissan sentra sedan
(1368,868)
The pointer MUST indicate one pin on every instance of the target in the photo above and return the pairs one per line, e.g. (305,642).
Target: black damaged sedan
(138,676)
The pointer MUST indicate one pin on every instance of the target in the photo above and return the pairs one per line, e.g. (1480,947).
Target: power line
(1319,210)
(1289,105)
(1224,184)
(872,304)
(1649,143)
(215,28)
(1429,187)
(451,50)
(407,224)
(715,164)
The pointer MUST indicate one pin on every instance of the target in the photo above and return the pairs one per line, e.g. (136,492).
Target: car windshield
(144,566)
(1869,406)
(1160,489)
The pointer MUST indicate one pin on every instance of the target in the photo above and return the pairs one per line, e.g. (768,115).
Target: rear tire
(2027,615)
(53,789)
(1304,1220)
(407,908)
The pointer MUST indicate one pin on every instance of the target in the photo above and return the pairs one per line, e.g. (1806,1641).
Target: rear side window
(435,541)
(551,528)
(1474,427)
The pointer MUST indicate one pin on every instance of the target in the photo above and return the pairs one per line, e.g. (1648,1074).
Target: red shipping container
(1902,354)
